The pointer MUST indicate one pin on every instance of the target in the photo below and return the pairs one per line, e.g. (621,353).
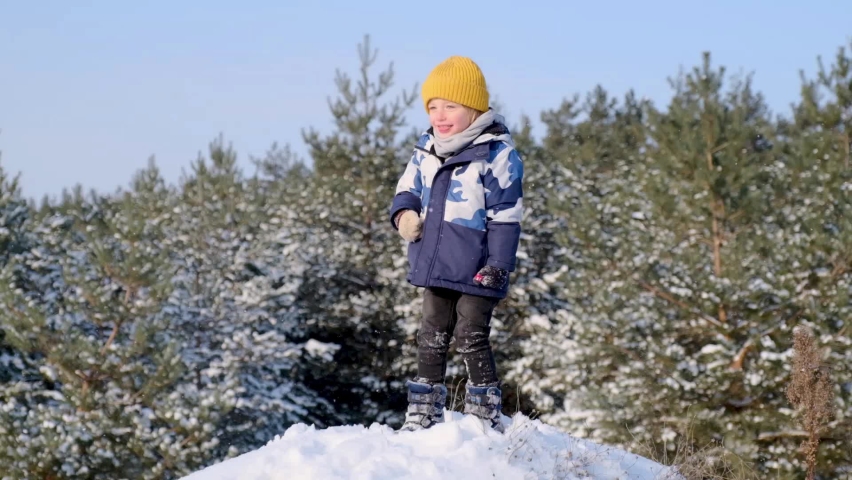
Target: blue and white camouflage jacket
(471,203)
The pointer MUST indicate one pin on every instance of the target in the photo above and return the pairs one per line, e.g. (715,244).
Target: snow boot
(425,405)
(486,402)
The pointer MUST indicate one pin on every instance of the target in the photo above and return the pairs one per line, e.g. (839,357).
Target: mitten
(409,224)
(492,277)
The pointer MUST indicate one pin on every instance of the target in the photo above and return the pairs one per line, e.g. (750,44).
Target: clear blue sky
(90,90)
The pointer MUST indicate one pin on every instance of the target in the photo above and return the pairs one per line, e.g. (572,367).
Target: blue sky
(90,90)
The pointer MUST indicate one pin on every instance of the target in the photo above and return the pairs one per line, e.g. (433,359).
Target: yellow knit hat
(459,80)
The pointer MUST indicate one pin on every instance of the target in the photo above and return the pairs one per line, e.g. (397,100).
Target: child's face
(448,118)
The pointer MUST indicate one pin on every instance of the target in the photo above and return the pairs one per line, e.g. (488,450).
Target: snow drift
(460,448)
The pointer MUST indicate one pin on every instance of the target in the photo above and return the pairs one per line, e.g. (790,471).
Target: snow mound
(461,447)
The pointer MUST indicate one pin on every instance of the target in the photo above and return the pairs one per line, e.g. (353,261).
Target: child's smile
(448,118)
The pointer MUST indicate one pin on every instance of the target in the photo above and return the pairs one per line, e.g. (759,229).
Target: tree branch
(772,436)
(739,358)
(671,299)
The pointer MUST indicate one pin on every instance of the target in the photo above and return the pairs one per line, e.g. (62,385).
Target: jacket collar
(476,150)
(452,145)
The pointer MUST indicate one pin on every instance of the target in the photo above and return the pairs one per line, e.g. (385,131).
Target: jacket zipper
(440,230)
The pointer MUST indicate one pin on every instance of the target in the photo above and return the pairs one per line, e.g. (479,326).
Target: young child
(459,204)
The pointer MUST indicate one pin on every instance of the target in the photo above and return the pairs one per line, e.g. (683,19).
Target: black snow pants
(448,313)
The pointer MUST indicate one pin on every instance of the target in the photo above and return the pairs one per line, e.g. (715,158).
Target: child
(459,204)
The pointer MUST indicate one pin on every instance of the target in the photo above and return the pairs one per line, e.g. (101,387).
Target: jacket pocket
(413,255)
(461,253)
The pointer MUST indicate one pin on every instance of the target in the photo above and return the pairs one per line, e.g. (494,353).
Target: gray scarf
(447,147)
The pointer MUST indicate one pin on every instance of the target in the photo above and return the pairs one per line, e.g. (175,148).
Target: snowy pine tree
(534,302)
(815,183)
(570,188)
(687,282)
(354,290)
(240,326)
(87,303)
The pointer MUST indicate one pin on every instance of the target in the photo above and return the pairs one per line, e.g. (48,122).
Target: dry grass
(811,392)
(455,395)
(710,462)
(693,462)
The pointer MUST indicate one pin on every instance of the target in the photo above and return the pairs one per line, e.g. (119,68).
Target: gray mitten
(409,224)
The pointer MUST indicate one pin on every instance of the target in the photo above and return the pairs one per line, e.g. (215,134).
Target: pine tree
(535,300)
(570,187)
(87,304)
(19,371)
(701,284)
(281,167)
(240,323)
(688,282)
(356,278)
(817,211)
(14,216)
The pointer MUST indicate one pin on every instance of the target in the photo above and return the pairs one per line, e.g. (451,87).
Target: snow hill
(460,448)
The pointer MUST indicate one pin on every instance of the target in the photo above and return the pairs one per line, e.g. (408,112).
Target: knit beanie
(457,79)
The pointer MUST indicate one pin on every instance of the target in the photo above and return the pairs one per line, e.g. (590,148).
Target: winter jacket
(471,204)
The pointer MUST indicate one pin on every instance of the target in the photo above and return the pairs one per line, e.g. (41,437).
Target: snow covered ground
(460,448)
